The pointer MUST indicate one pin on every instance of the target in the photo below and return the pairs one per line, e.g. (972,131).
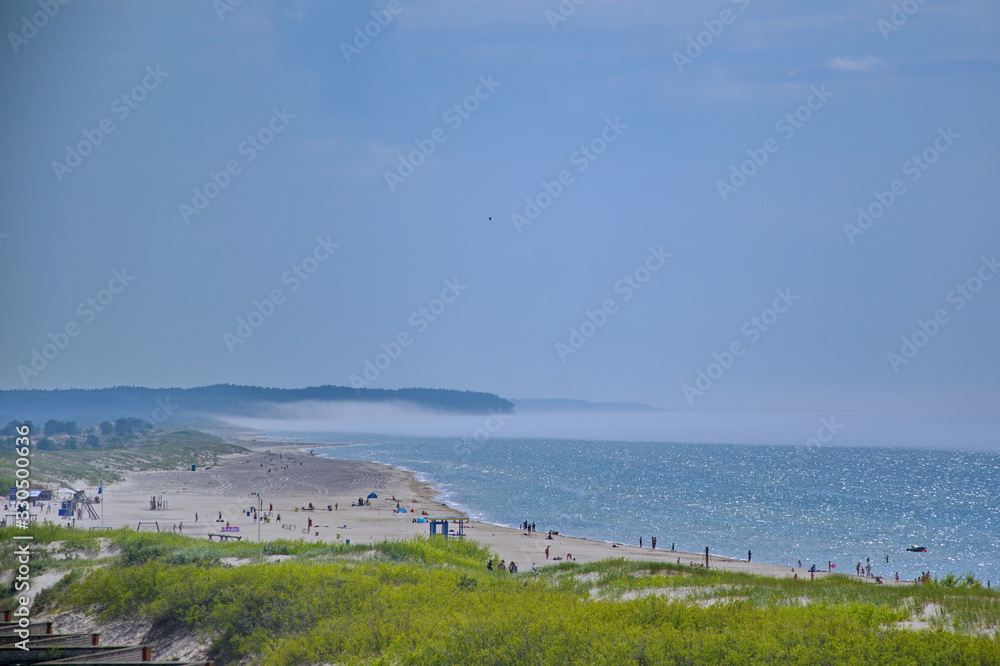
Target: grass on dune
(430,601)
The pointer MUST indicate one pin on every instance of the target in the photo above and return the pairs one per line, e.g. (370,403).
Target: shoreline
(512,543)
(281,479)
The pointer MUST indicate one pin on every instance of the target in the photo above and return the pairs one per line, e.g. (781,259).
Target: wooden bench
(224,537)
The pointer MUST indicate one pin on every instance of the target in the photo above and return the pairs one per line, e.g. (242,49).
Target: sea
(786,504)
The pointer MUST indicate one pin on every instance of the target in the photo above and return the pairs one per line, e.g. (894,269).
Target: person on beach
(653,543)
(489,565)
(749,555)
(502,566)
(640,542)
(196,516)
(512,568)
(546,552)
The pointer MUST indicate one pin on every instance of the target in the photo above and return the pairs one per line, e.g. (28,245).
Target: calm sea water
(784,503)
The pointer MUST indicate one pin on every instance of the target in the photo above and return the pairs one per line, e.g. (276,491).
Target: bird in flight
(489,219)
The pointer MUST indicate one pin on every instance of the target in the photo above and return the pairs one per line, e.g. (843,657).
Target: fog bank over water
(794,429)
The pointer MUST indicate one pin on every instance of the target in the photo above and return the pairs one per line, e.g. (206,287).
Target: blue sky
(742,158)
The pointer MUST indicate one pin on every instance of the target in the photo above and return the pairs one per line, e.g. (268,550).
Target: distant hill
(525,406)
(176,405)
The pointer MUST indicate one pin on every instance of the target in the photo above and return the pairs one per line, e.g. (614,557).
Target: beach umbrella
(372,496)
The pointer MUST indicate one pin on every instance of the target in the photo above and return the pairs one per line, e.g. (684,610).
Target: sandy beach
(217,500)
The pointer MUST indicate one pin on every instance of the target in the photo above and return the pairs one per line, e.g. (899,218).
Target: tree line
(59,434)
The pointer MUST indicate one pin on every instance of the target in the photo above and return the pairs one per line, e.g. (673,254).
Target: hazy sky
(689,174)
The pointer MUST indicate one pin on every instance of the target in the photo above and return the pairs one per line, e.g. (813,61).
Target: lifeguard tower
(443,526)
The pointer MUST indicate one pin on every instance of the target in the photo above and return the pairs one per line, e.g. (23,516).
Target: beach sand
(288,478)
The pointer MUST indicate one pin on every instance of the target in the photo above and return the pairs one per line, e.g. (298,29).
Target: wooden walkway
(45,646)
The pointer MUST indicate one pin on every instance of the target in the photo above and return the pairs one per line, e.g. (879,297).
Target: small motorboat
(917,549)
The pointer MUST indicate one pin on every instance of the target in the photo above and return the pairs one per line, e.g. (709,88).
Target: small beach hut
(441,526)
(372,496)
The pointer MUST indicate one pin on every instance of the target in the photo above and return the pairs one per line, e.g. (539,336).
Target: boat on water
(917,549)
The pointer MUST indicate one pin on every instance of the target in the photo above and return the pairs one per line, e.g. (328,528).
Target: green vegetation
(150,450)
(183,406)
(63,434)
(430,601)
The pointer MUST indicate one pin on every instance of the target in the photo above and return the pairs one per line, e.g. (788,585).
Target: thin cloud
(859,64)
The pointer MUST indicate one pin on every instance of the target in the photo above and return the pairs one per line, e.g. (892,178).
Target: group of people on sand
(569,556)
(652,543)
(503,566)
(509,568)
